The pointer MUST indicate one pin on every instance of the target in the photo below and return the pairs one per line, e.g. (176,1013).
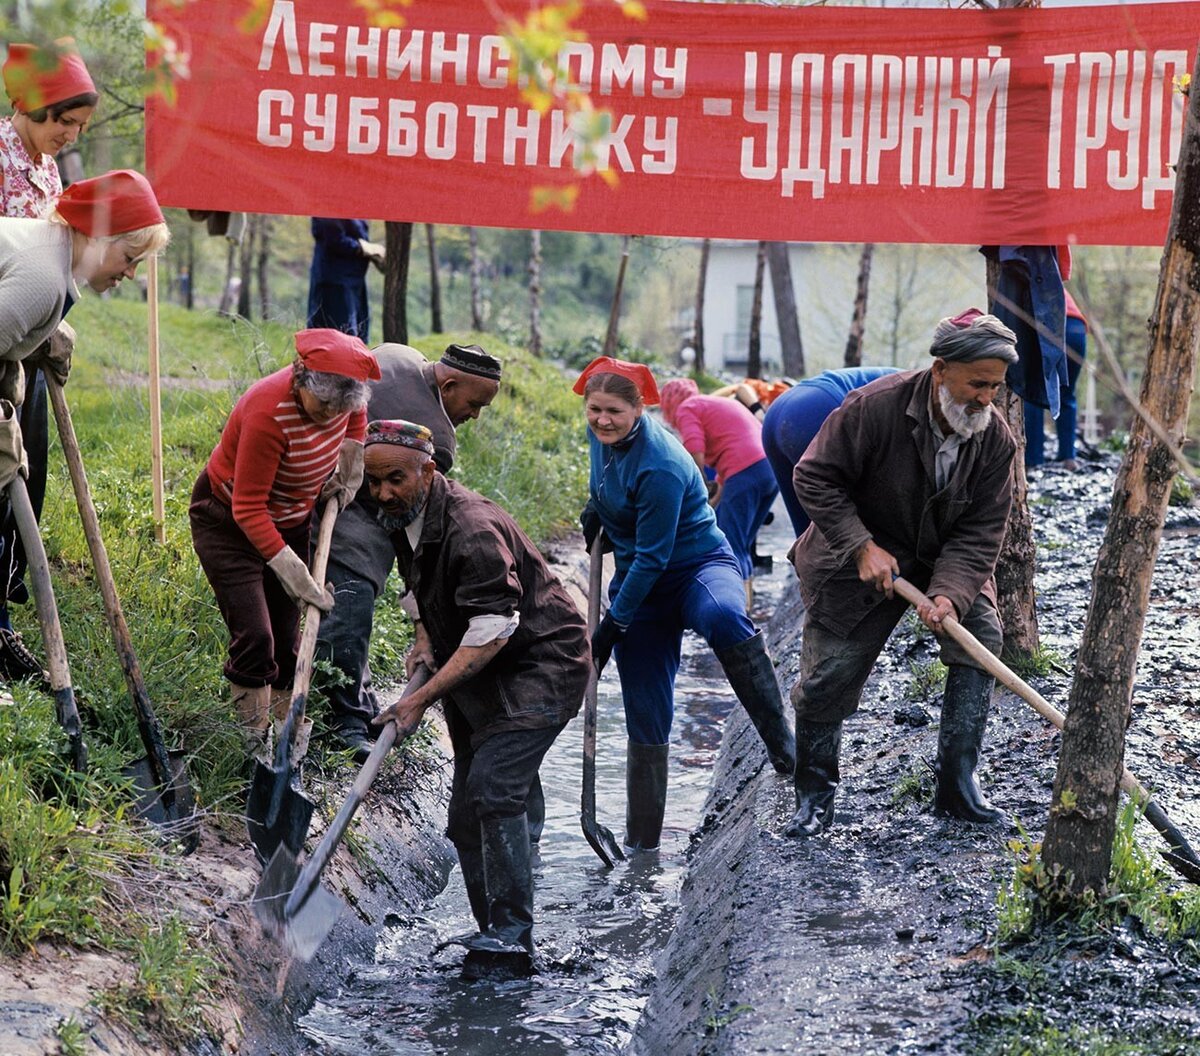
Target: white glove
(374,252)
(294,575)
(345,481)
(54,357)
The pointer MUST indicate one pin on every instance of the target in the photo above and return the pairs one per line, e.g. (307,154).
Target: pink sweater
(725,432)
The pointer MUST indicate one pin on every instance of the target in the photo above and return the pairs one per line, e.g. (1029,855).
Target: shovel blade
(289,827)
(602,841)
(178,822)
(301,933)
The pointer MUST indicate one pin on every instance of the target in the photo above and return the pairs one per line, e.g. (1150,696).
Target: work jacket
(473,560)
(869,475)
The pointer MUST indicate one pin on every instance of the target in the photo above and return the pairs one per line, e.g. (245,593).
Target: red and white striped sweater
(273,459)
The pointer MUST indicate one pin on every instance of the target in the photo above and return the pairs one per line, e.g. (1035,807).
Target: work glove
(374,252)
(346,479)
(12,450)
(300,586)
(12,381)
(589,521)
(607,633)
(54,355)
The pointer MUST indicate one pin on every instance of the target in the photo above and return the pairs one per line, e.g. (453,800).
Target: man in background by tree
(911,476)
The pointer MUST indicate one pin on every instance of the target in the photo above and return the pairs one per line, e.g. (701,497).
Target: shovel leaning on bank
(598,837)
(47,611)
(160,777)
(289,902)
(276,811)
(1181,856)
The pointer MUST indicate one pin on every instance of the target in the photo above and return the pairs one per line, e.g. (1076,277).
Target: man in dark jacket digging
(510,654)
(911,476)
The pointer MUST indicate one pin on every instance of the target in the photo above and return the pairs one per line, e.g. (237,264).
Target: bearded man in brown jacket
(911,476)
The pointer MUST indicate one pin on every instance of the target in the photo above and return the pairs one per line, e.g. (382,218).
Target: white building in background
(912,287)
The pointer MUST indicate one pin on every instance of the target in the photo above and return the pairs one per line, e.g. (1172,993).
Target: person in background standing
(337,280)
(1065,425)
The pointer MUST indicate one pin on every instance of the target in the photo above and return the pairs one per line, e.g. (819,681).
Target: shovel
(598,837)
(47,610)
(1180,856)
(277,812)
(289,902)
(164,794)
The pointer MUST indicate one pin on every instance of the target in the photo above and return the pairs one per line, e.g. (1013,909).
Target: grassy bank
(67,849)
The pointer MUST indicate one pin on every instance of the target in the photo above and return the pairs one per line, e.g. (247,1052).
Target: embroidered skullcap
(471,359)
(971,336)
(112,204)
(36,77)
(400,433)
(638,373)
(675,392)
(332,352)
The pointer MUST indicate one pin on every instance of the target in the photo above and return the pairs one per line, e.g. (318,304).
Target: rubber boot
(817,775)
(964,716)
(752,675)
(252,705)
(470,861)
(535,810)
(646,794)
(303,735)
(504,950)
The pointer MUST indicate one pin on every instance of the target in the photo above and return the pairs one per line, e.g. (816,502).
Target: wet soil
(879,937)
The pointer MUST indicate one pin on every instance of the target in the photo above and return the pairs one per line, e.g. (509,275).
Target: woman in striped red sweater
(294,437)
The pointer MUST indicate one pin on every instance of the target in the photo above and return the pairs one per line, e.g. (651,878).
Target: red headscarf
(37,77)
(638,373)
(112,204)
(332,352)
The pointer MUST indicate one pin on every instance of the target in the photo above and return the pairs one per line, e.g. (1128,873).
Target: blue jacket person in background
(337,280)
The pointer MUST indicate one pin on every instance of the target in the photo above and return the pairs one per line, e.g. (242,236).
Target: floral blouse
(27,188)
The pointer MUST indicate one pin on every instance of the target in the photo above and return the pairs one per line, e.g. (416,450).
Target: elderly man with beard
(911,476)
(510,656)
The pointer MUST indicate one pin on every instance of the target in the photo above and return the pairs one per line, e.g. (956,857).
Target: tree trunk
(791,348)
(189,289)
(246,266)
(1082,821)
(264,258)
(227,291)
(476,281)
(701,281)
(854,344)
(754,352)
(535,292)
(435,286)
(397,248)
(614,313)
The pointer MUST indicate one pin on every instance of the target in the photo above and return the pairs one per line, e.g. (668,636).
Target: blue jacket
(337,256)
(654,507)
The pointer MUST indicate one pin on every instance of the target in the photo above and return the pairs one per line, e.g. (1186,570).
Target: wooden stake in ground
(156,455)
(1082,822)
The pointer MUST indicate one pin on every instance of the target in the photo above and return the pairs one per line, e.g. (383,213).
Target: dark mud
(880,936)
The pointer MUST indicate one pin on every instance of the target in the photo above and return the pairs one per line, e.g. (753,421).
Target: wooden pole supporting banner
(156,455)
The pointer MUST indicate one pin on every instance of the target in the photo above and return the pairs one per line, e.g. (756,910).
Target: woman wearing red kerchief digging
(294,437)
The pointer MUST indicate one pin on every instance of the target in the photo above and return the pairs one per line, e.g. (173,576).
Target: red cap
(332,352)
(36,77)
(112,204)
(638,373)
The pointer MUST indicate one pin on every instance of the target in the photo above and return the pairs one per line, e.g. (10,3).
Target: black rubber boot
(504,950)
(470,861)
(535,810)
(646,794)
(964,716)
(752,675)
(817,775)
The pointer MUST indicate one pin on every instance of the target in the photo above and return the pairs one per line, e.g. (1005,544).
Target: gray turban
(972,336)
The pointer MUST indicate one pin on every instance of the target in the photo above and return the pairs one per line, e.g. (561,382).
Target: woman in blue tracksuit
(795,417)
(675,571)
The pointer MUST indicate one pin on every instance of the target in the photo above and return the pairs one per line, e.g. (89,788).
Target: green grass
(928,679)
(1029,1033)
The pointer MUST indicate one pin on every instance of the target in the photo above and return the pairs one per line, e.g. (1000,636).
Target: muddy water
(598,931)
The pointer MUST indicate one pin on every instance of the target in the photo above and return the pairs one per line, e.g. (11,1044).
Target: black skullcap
(471,359)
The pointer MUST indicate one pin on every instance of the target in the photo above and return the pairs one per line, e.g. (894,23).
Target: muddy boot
(752,676)
(964,716)
(646,794)
(252,704)
(535,810)
(470,861)
(817,745)
(505,949)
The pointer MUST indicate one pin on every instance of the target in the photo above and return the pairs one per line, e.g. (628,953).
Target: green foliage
(928,680)
(1029,1033)
(1182,492)
(1041,662)
(1117,440)
(913,787)
(719,1017)
(72,1037)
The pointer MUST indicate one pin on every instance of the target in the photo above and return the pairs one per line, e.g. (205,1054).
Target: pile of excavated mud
(880,936)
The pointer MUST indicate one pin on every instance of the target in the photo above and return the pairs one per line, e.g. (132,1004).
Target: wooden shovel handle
(312,615)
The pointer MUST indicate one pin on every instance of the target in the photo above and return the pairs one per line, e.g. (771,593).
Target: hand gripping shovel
(289,902)
(47,610)
(277,812)
(598,837)
(1180,856)
(160,778)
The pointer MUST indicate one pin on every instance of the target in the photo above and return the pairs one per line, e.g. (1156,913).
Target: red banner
(794,124)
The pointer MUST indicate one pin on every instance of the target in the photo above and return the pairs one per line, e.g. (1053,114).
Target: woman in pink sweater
(294,437)
(721,433)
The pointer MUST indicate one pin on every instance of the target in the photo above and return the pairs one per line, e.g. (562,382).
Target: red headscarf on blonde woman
(674,392)
(638,373)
